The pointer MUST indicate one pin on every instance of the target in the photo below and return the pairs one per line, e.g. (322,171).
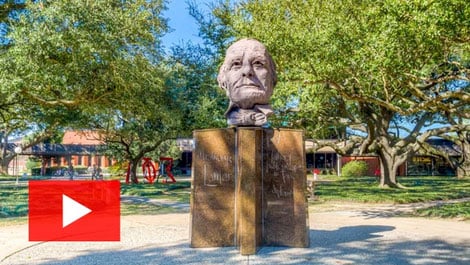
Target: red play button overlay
(74,210)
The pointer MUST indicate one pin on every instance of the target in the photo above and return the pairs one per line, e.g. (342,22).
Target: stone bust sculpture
(248,76)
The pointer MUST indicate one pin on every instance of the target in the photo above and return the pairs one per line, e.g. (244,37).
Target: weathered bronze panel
(285,211)
(213,189)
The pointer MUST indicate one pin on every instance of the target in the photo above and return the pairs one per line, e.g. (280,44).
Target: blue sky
(184,27)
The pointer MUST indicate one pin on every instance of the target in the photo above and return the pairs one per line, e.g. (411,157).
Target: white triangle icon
(72,210)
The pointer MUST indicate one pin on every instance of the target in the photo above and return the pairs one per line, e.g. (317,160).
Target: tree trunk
(463,168)
(133,170)
(4,167)
(388,170)
(5,158)
(4,163)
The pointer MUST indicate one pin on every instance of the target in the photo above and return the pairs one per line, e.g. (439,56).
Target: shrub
(81,170)
(50,171)
(33,162)
(118,169)
(58,170)
(354,169)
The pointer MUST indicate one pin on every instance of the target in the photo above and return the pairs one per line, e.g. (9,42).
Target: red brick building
(81,149)
(85,139)
(329,162)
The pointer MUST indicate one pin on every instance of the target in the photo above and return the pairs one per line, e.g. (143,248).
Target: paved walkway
(341,234)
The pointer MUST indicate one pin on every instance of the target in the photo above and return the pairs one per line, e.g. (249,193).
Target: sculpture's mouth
(247,94)
(249,87)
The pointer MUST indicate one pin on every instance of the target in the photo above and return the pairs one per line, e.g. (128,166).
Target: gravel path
(342,234)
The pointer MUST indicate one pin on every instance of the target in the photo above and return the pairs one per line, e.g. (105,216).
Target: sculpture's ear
(221,82)
(221,79)
(272,67)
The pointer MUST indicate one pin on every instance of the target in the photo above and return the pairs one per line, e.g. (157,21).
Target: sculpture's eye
(236,65)
(258,64)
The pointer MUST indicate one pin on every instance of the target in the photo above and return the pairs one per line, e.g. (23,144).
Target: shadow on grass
(131,205)
(362,244)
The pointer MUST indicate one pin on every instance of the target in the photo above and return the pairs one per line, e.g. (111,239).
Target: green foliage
(354,169)
(370,66)
(168,148)
(194,87)
(376,52)
(80,63)
(50,171)
(118,169)
(7,7)
(33,162)
(75,52)
(101,64)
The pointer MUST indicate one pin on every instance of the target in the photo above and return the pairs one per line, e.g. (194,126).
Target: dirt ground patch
(340,233)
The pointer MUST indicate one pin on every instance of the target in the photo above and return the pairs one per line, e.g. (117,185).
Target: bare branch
(444,130)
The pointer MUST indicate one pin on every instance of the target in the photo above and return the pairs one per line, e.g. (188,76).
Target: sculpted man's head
(248,74)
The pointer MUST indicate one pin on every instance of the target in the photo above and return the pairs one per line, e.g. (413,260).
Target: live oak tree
(194,87)
(461,139)
(194,79)
(179,96)
(9,9)
(8,6)
(33,124)
(77,52)
(374,67)
(144,119)
(18,115)
(98,59)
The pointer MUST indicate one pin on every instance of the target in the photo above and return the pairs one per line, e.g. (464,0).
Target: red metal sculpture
(151,170)
(167,164)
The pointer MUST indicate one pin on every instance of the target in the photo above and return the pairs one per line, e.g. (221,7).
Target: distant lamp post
(18,150)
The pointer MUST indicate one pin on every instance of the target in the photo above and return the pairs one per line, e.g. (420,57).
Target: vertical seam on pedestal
(235,170)
(262,185)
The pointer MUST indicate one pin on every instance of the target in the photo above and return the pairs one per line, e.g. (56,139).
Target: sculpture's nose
(247,70)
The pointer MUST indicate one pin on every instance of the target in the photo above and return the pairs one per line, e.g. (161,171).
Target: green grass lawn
(456,210)
(14,199)
(178,191)
(145,209)
(419,189)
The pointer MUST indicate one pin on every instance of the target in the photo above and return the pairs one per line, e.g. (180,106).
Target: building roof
(442,145)
(445,146)
(310,146)
(82,138)
(63,149)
